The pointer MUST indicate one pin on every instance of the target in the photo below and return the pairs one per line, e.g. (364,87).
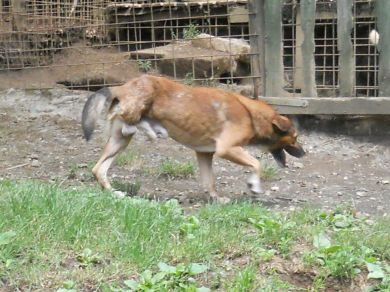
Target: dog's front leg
(238,155)
(116,143)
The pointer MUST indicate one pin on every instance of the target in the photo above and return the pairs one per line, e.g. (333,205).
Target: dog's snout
(295,150)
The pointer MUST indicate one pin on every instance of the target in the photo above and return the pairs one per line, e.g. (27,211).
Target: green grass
(85,239)
(125,158)
(173,169)
(191,32)
(269,171)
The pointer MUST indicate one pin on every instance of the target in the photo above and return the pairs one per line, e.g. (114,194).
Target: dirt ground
(41,138)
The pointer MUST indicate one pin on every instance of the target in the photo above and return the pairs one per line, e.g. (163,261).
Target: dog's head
(284,138)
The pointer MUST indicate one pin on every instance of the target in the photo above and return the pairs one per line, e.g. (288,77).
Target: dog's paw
(119,194)
(254,184)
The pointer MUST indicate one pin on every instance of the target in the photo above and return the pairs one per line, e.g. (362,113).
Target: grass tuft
(126,158)
(173,169)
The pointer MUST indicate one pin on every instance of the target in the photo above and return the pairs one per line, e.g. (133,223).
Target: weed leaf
(321,240)
(132,284)
(203,289)
(375,271)
(166,268)
(195,269)
(69,284)
(332,249)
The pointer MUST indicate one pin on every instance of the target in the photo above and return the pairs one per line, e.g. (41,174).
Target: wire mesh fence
(87,44)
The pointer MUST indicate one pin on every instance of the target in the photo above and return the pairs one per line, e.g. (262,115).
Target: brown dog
(210,121)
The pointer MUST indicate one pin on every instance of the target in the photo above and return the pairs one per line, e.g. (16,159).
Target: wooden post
(383,8)
(308,17)
(298,73)
(256,31)
(18,15)
(345,47)
(274,80)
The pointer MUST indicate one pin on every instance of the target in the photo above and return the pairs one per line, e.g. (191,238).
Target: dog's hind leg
(205,161)
(116,143)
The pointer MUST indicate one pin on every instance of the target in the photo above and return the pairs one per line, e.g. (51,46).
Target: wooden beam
(345,47)
(383,8)
(308,11)
(330,105)
(256,25)
(274,79)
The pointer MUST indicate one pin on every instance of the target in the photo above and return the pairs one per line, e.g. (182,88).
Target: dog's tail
(93,108)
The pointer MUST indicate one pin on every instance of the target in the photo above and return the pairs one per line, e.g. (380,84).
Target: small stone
(298,165)
(361,194)
(34,156)
(35,163)
(385,182)
(339,194)
(345,177)
(275,188)
(82,165)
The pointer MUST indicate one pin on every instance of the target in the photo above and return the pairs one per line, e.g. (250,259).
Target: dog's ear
(281,124)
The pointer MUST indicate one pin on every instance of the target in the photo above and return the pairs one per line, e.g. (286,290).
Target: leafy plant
(337,260)
(190,226)
(144,65)
(169,278)
(191,32)
(189,79)
(276,232)
(87,257)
